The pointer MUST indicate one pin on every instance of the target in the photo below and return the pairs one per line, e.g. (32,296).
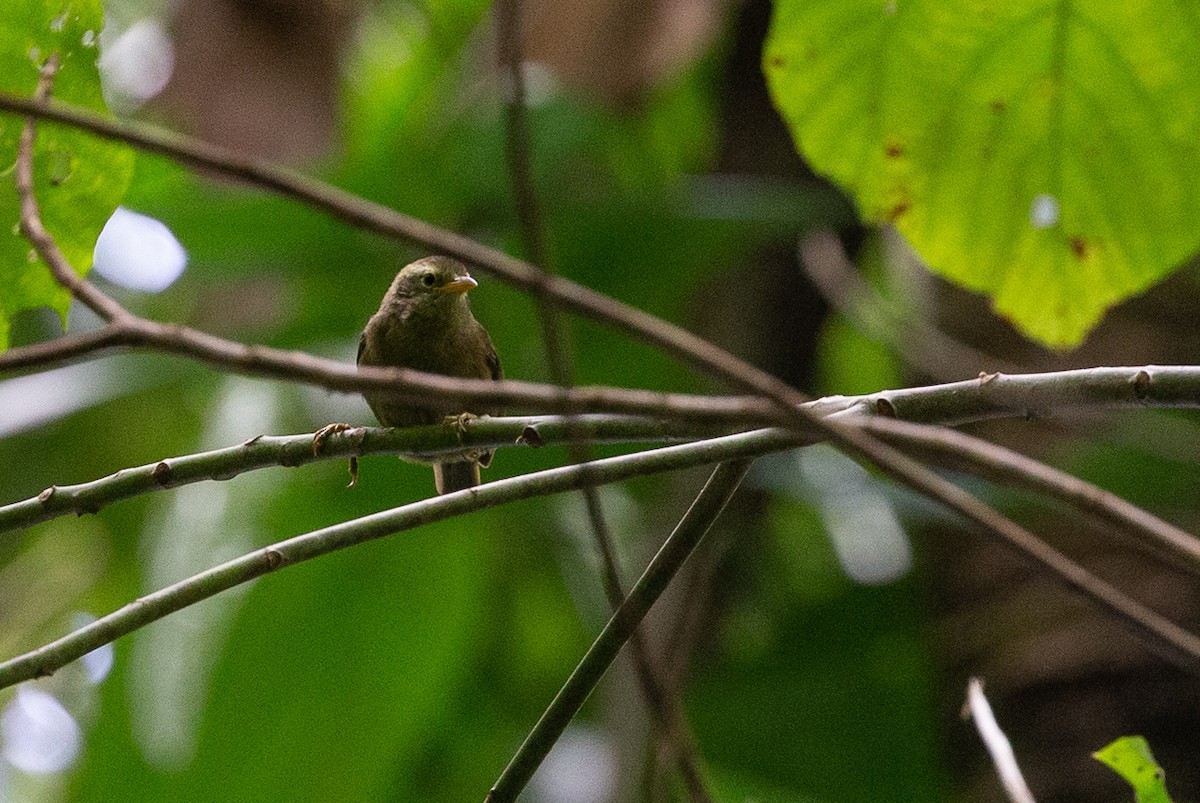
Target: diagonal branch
(1003,466)
(369,216)
(671,339)
(591,668)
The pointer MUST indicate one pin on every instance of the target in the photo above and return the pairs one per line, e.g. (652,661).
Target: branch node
(161,473)
(44,496)
(884,407)
(274,558)
(1141,385)
(531,437)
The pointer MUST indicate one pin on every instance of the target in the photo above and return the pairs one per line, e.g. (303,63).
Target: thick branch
(297,450)
(152,607)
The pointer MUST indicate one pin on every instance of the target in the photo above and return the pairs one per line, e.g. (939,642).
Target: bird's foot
(460,422)
(322,435)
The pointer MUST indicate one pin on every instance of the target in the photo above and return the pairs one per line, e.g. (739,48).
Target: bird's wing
(490,357)
(362,344)
(493,362)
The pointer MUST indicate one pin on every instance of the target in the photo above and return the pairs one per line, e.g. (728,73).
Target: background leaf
(1042,153)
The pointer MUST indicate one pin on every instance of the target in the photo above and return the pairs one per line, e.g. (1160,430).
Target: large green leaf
(79,178)
(1044,153)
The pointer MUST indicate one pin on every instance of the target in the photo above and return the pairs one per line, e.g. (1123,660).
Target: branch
(1173,642)
(944,447)
(364,214)
(674,551)
(673,729)
(61,349)
(1005,467)
(137,614)
(671,339)
(916,340)
(297,450)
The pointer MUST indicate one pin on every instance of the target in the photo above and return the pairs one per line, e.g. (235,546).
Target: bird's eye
(428,280)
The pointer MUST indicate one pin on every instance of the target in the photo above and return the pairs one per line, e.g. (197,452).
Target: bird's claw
(460,422)
(322,435)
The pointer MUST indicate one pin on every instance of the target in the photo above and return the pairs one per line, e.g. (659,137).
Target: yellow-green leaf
(1130,758)
(1045,153)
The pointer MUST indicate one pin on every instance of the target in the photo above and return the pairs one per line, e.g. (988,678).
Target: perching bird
(425,323)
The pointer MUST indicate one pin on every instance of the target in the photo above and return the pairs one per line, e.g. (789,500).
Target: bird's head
(435,280)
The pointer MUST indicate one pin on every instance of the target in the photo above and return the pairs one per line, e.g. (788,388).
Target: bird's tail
(450,477)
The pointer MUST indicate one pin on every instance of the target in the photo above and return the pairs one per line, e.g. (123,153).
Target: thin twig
(997,744)
(673,729)
(31,222)
(918,342)
(48,353)
(665,564)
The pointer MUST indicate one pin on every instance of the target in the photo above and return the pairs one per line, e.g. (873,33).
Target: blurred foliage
(411,668)
(80,179)
(1042,153)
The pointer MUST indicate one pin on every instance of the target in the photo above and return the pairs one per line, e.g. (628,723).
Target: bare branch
(31,223)
(1003,466)
(61,349)
(917,341)
(674,551)
(673,340)
(137,614)
(297,450)
(360,213)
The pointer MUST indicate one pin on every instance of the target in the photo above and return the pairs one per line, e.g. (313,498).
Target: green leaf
(1130,758)
(963,122)
(79,179)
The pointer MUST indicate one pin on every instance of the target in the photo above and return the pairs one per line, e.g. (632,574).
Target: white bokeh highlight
(138,252)
(135,64)
(1044,211)
(98,663)
(867,536)
(37,734)
(581,768)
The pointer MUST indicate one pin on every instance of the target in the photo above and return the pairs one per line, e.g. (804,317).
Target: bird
(425,323)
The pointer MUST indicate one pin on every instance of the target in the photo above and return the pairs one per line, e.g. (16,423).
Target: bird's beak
(460,285)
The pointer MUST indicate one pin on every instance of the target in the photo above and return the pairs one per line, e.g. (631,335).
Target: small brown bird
(425,323)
